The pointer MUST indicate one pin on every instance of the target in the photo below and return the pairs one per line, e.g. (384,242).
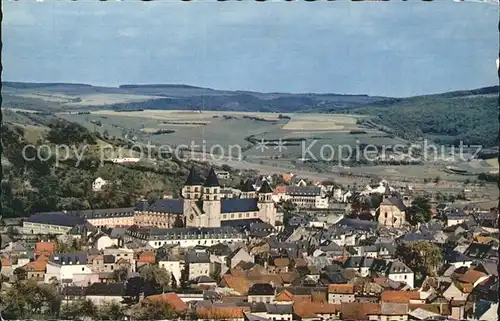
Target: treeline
(447,121)
(488,177)
(36,183)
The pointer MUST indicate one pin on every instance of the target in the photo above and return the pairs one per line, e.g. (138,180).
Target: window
(83,269)
(386,214)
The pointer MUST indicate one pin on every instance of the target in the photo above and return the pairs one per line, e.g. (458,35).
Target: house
(220,311)
(108,217)
(197,264)
(456,217)
(104,263)
(124,258)
(223,175)
(279,264)
(391,311)
(172,299)
(36,270)
(359,310)
(279,193)
(98,184)
(471,276)
(316,310)
(51,223)
(359,264)
(103,241)
(269,311)
(173,264)
(338,293)
(7,267)
(237,256)
(400,272)
(451,292)
(307,197)
(102,293)
(45,249)
(407,297)
(185,237)
(261,292)
(238,284)
(65,267)
(486,311)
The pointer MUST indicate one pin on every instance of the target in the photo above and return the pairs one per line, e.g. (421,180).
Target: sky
(389,48)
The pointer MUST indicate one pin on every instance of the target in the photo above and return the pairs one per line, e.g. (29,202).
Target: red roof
(399,296)
(40,264)
(171,299)
(341,288)
(45,248)
(147,257)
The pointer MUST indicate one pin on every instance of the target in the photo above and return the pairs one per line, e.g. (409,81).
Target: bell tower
(267,210)
(192,187)
(247,190)
(211,200)
(191,193)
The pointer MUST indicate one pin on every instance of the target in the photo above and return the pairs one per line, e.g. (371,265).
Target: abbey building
(202,205)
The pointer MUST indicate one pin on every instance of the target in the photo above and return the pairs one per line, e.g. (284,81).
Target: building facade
(203,205)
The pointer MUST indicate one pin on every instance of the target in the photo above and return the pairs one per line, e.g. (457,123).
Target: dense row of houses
(318,265)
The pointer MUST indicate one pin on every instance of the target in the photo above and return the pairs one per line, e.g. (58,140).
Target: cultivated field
(225,129)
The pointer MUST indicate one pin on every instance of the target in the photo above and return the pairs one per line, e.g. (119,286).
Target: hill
(34,182)
(64,97)
(469,116)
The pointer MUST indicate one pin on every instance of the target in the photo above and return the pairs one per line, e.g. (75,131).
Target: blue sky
(390,48)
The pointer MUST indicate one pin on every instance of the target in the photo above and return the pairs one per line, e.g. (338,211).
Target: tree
(20,274)
(375,201)
(289,206)
(420,211)
(27,299)
(216,273)
(12,231)
(422,257)
(155,278)
(437,179)
(81,308)
(120,275)
(111,311)
(133,289)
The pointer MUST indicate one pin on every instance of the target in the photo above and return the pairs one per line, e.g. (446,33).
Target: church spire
(193,178)
(211,180)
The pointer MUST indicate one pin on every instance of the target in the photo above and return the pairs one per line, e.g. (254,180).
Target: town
(266,249)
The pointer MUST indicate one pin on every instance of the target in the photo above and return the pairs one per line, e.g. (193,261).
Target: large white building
(185,237)
(66,267)
(202,205)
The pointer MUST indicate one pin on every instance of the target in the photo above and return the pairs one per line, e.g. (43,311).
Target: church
(202,205)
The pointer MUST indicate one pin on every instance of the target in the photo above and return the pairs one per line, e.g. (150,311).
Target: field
(224,130)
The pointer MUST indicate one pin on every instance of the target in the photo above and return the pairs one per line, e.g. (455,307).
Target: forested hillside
(35,185)
(467,116)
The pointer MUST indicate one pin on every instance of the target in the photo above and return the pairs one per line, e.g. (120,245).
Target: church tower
(191,192)
(192,187)
(247,190)
(267,210)
(211,200)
